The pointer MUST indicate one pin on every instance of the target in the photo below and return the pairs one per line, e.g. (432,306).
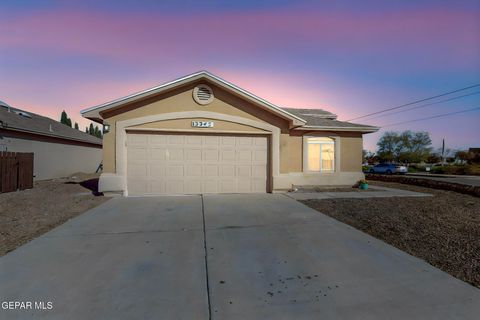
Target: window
(320,154)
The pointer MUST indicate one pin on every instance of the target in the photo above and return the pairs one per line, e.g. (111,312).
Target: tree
(91,130)
(407,146)
(65,119)
(76,126)
(97,132)
(86,129)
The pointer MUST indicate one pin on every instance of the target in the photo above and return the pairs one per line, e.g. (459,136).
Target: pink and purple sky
(349,57)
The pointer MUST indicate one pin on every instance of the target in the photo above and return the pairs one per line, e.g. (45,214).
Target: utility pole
(443,151)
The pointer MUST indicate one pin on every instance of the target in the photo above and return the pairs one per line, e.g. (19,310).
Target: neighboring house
(59,150)
(202,134)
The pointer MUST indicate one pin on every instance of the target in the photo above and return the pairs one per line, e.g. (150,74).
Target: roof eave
(93,113)
(366,129)
(50,135)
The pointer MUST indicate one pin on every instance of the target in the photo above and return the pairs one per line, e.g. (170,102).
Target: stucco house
(58,150)
(202,134)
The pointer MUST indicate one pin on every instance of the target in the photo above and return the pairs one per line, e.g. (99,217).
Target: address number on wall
(202,124)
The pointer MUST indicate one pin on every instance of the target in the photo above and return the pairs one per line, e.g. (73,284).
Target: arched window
(320,154)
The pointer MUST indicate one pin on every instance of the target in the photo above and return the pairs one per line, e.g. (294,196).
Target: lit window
(320,154)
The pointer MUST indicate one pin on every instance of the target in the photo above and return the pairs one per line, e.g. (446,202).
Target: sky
(349,57)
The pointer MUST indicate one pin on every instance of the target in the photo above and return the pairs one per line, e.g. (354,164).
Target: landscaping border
(435,184)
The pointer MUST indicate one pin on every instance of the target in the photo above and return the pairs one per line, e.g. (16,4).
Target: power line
(432,117)
(415,102)
(425,105)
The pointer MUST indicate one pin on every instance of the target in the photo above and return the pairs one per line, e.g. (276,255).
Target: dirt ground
(27,214)
(443,230)
(332,189)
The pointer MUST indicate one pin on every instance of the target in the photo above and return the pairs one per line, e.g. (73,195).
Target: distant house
(59,150)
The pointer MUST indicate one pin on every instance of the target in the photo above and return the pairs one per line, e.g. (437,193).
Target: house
(202,134)
(59,150)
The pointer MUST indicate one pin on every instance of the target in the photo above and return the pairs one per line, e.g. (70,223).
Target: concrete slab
(114,263)
(379,192)
(315,267)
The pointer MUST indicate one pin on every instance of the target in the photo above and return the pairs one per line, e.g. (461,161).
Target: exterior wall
(56,160)
(239,116)
(185,124)
(181,100)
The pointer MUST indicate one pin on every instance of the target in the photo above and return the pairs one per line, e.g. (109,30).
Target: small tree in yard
(76,126)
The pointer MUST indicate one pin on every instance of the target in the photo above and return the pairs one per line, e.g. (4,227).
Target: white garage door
(189,164)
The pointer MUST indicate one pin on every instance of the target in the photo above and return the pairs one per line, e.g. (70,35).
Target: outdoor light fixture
(106,128)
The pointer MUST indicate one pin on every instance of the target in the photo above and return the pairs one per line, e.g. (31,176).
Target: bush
(437,170)
(412,169)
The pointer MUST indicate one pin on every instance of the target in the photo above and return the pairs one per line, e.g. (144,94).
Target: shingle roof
(17,119)
(323,118)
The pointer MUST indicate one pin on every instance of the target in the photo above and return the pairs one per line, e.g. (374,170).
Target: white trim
(122,127)
(192,77)
(197,131)
(366,129)
(336,160)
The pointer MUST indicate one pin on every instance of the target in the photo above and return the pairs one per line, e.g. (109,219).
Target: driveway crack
(206,261)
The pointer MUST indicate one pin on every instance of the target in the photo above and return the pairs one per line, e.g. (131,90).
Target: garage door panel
(193,187)
(227,186)
(157,139)
(244,185)
(176,139)
(194,140)
(194,154)
(210,171)
(211,140)
(137,154)
(192,164)
(227,171)
(227,155)
(243,155)
(210,186)
(175,171)
(158,154)
(137,139)
(157,170)
(193,170)
(157,187)
(227,141)
(137,170)
(174,186)
(210,154)
(175,154)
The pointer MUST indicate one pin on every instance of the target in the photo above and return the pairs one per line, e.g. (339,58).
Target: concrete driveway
(224,257)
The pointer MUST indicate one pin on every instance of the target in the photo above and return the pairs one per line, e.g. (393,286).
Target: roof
(93,113)
(324,120)
(311,119)
(20,120)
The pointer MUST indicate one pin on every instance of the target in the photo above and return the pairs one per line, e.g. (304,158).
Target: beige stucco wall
(56,160)
(351,153)
(291,151)
(186,124)
(181,100)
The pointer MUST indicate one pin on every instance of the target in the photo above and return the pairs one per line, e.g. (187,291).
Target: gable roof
(25,121)
(313,119)
(93,113)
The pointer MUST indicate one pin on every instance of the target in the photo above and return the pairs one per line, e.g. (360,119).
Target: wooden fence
(16,171)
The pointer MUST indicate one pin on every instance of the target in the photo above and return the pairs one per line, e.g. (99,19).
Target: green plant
(362,181)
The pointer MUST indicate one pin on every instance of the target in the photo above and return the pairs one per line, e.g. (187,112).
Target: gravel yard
(27,214)
(443,230)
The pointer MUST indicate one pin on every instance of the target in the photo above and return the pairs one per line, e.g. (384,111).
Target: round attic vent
(203,94)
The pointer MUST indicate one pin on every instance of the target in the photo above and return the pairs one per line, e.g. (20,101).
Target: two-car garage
(171,163)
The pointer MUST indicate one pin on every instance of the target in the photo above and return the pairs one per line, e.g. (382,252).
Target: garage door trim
(268,136)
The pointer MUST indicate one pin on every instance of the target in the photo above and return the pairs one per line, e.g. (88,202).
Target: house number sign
(202,124)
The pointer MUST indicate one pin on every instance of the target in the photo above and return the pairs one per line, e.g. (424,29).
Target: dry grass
(27,214)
